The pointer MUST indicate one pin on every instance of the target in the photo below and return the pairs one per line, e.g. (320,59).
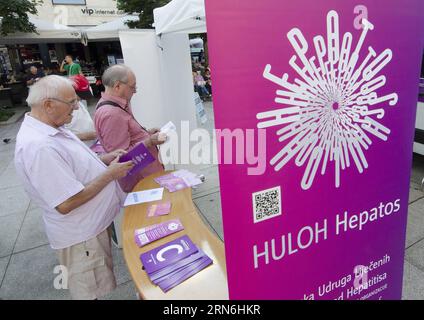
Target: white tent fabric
(47,32)
(109,30)
(180,16)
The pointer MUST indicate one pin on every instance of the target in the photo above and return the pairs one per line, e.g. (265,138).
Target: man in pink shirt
(115,124)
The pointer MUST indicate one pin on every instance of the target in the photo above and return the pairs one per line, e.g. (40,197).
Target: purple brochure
(152,233)
(175,185)
(163,178)
(185,273)
(159,209)
(166,272)
(167,254)
(145,229)
(140,156)
(199,258)
(191,271)
(171,183)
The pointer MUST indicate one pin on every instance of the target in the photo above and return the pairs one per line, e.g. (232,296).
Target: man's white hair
(117,72)
(47,87)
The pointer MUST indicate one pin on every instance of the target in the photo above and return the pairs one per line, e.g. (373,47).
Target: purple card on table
(140,156)
(164,178)
(159,209)
(171,182)
(155,232)
(167,254)
(175,184)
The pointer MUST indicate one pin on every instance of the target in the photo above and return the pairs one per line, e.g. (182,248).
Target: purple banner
(329,89)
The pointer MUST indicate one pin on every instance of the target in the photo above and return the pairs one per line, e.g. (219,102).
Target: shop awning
(180,16)
(109,30)
(47,32)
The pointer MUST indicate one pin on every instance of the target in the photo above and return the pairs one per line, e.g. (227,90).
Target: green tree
(14,16)
(144,9)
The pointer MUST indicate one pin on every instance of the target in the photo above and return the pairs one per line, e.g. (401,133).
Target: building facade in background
(16,57)
(79,12)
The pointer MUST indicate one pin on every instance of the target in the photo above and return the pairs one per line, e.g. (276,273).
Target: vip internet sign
(330,89)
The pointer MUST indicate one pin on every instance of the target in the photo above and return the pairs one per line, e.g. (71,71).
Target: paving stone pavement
(27,262)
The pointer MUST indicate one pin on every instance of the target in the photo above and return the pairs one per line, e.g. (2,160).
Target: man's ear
(47,106)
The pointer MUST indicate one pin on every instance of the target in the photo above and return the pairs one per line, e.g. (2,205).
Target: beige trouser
(90,267)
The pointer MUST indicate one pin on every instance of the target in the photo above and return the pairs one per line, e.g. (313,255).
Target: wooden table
(210,283)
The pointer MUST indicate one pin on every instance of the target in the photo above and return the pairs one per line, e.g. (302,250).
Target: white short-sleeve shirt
(55,165)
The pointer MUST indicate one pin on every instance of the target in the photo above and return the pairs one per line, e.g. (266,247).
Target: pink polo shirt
(117,129)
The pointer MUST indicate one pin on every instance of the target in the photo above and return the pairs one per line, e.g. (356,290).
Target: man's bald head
(52,100)
(49,87)
(120,81)
(115,73)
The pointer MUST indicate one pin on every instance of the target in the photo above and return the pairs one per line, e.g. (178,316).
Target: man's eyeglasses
(134,88)
(72,104)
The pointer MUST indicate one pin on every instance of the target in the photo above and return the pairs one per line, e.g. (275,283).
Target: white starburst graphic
(332,112)
(173,226)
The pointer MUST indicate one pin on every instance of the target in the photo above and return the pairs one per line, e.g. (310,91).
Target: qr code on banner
(266,204)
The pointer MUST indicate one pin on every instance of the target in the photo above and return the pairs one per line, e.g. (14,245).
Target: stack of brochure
(155,232)
(179,180)
(172,263)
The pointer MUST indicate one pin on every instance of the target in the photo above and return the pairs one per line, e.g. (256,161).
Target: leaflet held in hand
(165,130)
(140,156)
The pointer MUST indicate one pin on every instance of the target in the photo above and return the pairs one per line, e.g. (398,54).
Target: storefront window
(30,55)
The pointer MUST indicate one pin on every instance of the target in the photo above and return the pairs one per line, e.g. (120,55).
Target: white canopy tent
(109,30)
(186,16)
(47,32)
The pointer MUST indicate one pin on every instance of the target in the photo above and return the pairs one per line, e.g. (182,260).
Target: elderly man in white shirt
(77,191)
